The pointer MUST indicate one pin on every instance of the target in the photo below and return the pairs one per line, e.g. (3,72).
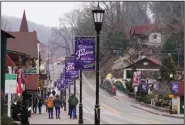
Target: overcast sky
(45,13)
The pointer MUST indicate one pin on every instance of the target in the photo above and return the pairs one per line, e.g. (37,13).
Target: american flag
(19,82)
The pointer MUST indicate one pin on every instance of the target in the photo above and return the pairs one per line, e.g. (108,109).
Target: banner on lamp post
(144,85)
(85,53)
(156,85)
(65,80)
(174,87)
(70,71)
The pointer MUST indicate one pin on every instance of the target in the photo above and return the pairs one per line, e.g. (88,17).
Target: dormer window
(155,36)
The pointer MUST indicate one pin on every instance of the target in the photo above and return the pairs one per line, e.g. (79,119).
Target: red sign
(136,78)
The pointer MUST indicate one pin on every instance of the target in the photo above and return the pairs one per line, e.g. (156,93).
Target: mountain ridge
(13,23)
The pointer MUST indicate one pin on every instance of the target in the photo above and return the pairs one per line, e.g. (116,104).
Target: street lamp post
(171,77)
(69,97)
(98,14)
(75,87)
(74,81)
(80,105)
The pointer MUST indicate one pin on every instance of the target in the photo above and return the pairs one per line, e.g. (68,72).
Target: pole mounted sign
(174,87)
(10,83)
(70,71)
(10,87)
(85,53)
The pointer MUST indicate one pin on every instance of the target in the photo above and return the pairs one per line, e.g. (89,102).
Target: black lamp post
(80,105)
(98,14)
(74,81)
(171,78)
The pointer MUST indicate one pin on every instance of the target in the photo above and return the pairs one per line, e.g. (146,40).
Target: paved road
(117,111)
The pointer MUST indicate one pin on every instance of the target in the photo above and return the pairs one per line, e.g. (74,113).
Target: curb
(158,113)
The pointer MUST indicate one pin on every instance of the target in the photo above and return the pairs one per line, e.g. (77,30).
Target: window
(155,36)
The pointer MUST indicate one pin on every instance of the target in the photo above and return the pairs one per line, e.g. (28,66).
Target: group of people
(55,102)
(37,102)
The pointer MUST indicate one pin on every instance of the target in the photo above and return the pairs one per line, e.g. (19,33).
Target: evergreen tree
(168,67)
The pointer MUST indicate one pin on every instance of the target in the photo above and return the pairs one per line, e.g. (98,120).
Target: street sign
(170,96)
(31,70)
(10,87)
(10,83)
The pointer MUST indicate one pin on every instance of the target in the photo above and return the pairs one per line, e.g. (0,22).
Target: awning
(9,61)
(32,82)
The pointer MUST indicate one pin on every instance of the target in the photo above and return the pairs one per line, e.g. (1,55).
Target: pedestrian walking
(57,104)
(46,103)
(50,105)
(73,101)
(64,104)
(40,102)
(35,103)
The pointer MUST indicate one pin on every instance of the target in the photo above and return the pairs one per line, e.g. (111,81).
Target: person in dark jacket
(64,103)
(24,108)
(35,103)
(57,104)
(73,101)
(40,102)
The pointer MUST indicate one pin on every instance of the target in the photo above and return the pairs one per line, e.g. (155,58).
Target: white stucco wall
(178,105)
(156,40)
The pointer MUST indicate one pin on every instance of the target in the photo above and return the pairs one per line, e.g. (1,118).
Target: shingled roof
(144,29)
(25,42)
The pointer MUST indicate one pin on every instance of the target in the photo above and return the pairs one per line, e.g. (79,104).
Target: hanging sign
(85,53)
(144,85)
(174,87)
(70,71)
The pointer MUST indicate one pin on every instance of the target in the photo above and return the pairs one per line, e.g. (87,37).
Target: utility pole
(47,70)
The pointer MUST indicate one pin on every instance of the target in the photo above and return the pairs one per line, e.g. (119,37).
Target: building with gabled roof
(24,52)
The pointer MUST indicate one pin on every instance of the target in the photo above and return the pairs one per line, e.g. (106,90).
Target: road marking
(85,109)
(150,121)
(121,115)
(110,109)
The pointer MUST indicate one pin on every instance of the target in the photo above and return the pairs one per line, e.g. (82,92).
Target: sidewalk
(43,118)
(153,111)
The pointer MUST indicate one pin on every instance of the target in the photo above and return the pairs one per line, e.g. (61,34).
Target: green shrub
(129,86)
(140,98)
(6,120)
(164,104)
(147,98)
(158,103)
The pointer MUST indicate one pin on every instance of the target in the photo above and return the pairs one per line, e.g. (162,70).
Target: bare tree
(63,36)
(168,12)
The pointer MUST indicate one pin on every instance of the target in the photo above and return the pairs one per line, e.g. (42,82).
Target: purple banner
(66,81)
(70,71)
(62,87)
(85,53)
(156,86)
(144,85)
(174,87)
